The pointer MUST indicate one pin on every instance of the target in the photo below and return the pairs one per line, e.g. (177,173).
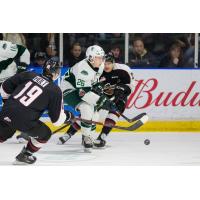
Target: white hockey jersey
(82,75)
(8,53)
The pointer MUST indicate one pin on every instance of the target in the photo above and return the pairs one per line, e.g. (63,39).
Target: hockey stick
(141,120)
(126,118)
(136,118)
(133,127)
(133,119)
(61,128)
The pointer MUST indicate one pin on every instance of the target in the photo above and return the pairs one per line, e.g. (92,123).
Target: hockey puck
(147,142)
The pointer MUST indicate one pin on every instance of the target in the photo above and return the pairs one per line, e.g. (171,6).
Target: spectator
(39,59)
(116,50)
(140,57)
(188,55)
(52,52)
(16,38)
(174,58)
(75,54)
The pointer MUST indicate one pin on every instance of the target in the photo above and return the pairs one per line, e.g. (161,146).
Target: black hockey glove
(120,104)
(98,88)
(122,91)
(105,103)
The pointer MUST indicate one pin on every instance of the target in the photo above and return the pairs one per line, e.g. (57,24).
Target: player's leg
(70,98)
(101,139)
(39,135)
(75,127)
(87,112)
(22,137)
(95,117)
(111,119)
(6,131)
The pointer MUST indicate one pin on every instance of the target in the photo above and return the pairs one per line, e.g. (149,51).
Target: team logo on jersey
(102,79)
(84,72)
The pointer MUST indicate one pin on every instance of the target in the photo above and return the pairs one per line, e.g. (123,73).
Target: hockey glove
(105,103)
(122,91)
(98,88)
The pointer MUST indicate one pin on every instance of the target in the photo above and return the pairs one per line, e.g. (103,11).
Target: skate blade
(16,162)
(99,148)
(60,143)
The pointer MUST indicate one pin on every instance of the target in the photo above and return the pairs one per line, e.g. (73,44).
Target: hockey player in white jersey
(9,53)
(117,82)
(79,82)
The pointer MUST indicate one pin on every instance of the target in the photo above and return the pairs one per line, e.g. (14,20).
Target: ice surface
(122,149)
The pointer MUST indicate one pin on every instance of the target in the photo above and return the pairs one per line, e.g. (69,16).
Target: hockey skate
(100,141)
(87,142)
(24,158)
(63,139)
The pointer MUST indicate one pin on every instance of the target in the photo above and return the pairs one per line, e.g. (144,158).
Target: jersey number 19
(27,98)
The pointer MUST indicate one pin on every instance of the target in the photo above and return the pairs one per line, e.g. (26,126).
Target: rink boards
(170,97)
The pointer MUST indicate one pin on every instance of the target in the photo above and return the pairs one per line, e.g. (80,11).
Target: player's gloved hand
(69,117)
(105,103)
(98,88)
(122,91)
(120,104)
(21,67)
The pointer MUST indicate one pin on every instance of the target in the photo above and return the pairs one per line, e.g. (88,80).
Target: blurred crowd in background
(160,50)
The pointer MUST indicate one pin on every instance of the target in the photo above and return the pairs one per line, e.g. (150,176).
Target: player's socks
(87,140)
(34,145)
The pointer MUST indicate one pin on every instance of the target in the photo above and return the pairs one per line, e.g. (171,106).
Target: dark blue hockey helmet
(51,66)
(109,57)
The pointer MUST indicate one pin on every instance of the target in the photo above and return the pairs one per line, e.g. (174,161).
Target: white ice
(122,149)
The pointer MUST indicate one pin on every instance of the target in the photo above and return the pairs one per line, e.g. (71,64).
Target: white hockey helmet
(94,51)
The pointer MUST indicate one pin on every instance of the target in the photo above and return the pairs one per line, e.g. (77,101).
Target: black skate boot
(64,138)
(71,131)
(100,141)
(25,157)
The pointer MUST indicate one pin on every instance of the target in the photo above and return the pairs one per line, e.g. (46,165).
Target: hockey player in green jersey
(80,92)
